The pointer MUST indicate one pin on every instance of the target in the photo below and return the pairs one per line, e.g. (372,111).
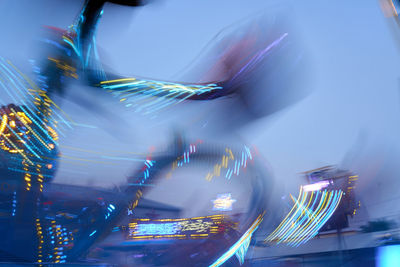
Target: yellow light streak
(240,242)
(315,215)
(32,131)
(224,164)
(3,123)
(285,228)
(118,80)
(273,234)
(321,217)
(18,150)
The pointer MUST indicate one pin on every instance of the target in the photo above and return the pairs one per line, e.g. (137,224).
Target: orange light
(3,124)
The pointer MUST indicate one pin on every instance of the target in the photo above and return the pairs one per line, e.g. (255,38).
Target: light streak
(302,218)
(93,232)
(313,220)
(303,222)
(32,131)
(274,233)
(42,129)
(39,92)
(313,231)
(18,150)
(285,223)
(3,123)
(167,93)
(241,246)
(234,169)
(118,80)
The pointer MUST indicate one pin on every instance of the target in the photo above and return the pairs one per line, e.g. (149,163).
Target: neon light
(288,223)
(198,227)
(302,218)
(316,186)
(168,93)
(303,222)
(310,214)
(223,202)
(156,229)
(228,156)
(312,217)
(314,220)
(93,232)
(323,219)
(241,246)
(3,124)
(32,131)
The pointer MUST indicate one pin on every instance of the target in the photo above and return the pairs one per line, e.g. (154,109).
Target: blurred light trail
(304,220)
(241,246)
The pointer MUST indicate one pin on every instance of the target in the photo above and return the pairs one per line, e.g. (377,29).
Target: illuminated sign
(199,227)
(157,229)
(223,202)
(316,186)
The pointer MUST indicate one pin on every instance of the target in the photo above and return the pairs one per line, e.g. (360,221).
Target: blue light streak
(304,223)
(93,232)
(240,247)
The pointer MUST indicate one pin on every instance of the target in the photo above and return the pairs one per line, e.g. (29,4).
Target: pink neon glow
(316,186)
